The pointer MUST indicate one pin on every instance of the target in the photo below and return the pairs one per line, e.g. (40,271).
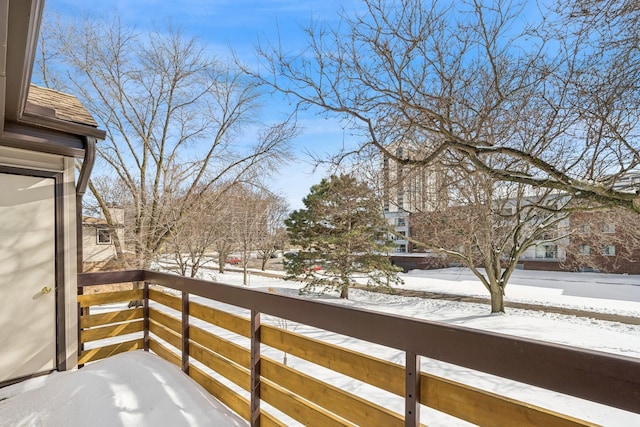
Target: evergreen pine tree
(342,236)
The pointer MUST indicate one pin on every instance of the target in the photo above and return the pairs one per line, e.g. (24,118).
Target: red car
(234,260)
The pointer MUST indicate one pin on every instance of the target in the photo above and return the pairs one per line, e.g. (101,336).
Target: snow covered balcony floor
(241,345)
(133,389)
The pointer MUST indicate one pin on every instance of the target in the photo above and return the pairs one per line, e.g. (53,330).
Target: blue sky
(238,24)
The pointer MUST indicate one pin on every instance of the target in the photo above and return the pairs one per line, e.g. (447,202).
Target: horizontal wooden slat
(454,398)
(231,322)
(166,334)
(109,350)
(231,371)
(225,348)
(165,319)
(109,297)
(297,408)
(164,352)
(164,298)
(110,317)
(224,394)
(233,400)
(346,405)
(484,408)
(111,331)
(380,373)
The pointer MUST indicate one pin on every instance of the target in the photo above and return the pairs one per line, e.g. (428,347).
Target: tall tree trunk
(497,298)
(344,292)
(221,260)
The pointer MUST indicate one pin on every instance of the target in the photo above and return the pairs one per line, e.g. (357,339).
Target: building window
(400,222)
(609,250)
(608,228)
(548,235)
(401,249)
(508,211)
(547,251)
(584,229)
(103,236)
(584,250)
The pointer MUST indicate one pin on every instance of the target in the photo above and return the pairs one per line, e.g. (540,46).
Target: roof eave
(62,125)
(22,29)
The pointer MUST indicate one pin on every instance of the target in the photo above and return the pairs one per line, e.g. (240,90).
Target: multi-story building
(584,241)
(406,189)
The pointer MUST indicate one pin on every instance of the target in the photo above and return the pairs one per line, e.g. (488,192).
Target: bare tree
(274,236)
(557,97)
(257,214)
(249,225)
(176,120)
(223,230)
(488,225)
(191,243)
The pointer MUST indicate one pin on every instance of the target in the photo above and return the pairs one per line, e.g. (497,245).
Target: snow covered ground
(124,406)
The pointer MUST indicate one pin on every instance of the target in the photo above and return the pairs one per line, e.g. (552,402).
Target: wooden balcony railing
(198,338)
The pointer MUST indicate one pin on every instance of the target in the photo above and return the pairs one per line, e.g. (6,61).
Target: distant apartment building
(405,190)
(399,221)
(605,241)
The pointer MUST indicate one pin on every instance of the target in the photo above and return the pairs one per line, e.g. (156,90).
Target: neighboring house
(98,243)
(43,133)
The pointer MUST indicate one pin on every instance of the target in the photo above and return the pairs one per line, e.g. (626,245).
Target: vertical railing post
(185,332)
(80,313)
(145,315)
(412,390)
(255,369)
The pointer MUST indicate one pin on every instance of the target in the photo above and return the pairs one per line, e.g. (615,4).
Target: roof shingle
(62,106)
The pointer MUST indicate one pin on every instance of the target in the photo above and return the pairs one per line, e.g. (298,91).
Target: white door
(27,275)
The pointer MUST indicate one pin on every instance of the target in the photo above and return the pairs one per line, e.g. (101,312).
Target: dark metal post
(80,313)
(255,368)
(412,390)
(185,332)
(81,187)
(145,314)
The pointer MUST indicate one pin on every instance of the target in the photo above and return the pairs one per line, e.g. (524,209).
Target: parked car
(233,260)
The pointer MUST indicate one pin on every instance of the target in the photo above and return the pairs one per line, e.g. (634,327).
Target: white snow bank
(130,389)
